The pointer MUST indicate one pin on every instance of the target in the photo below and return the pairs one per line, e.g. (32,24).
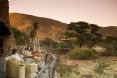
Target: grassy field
(104,67)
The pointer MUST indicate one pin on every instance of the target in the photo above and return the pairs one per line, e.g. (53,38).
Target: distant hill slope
(109,31)
(48,27)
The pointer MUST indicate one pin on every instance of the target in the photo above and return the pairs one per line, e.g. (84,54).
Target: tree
(83,33)
(33,30)
(33,35)
(20,37)
(111,42)
(94,28)
(93,37)
(77,31)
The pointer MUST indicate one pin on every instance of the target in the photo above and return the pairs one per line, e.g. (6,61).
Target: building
(6,37)
(5,33)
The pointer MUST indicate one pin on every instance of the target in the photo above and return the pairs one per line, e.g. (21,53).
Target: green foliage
(93,39)
(63,45)
(77,73)
(82,54)
(64,70)
(100,67)
(20,37)
(94,28)
(62,48)
(111,43)
(33,30)
(49,43)
(83,33)
(109,53)
(77,30)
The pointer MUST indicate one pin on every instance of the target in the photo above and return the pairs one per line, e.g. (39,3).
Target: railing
(50,67)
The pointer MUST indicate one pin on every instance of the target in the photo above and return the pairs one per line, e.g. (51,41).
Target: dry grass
(47,27)
(85,67)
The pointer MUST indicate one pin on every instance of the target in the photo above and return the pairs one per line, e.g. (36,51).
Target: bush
(20,37)
(109,53)
(64,70)
(82,54)
(48,43)
(63,45)
(100,67)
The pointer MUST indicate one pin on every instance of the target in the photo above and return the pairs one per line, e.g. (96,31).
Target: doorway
(4,32)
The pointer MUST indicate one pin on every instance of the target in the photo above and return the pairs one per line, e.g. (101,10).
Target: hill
(48,27)
(109,31)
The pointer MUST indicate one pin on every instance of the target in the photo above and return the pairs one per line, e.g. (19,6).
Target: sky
(100,12)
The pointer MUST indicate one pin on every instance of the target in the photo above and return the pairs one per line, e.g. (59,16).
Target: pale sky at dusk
(100,12)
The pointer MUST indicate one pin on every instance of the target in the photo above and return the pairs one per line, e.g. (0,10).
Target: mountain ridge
(48,27)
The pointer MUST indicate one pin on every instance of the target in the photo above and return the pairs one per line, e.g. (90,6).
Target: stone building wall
(4,18)
(4,11)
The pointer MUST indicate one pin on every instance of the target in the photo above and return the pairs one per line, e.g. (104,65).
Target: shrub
(63,45)
(100,67)
(109,53)
(82,54)
(64,70)
(77,73)
(20,37)
(62,48)
(48,43)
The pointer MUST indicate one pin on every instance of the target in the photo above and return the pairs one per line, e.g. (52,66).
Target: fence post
(53,67)
(49,71)
(46,57)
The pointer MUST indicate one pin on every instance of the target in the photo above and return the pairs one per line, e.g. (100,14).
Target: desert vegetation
(81,38)
(78,42)
(84,36)
(82,54)
(20,37)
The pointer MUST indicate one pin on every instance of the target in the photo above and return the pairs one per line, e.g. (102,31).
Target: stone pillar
(7,39)
(4,18)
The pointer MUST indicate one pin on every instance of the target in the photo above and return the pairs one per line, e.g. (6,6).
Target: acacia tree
(83,33)
(93,37)
(77,31)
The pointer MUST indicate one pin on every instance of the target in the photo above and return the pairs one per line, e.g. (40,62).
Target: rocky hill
(48,27)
